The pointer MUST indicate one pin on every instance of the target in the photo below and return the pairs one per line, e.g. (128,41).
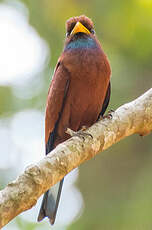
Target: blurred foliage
(116,185)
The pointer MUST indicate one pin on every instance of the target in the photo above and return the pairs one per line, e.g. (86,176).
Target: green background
(116,185)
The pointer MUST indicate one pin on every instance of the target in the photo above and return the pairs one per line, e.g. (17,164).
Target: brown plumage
(78,95)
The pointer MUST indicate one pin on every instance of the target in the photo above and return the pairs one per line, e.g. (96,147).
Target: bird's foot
(79,133)
(83,128)
(108,115)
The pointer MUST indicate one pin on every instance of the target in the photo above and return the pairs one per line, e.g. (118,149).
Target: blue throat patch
(81,43)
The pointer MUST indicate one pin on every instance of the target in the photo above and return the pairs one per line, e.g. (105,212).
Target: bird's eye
(67,34)
(92,31)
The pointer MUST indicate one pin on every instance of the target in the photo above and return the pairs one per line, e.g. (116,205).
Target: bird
(78,95)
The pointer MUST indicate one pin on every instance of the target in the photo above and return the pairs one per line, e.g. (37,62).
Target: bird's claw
(110,112)
(79,133)
(108,115)
(83,128)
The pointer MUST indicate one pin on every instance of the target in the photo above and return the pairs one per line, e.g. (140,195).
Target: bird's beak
(80,28)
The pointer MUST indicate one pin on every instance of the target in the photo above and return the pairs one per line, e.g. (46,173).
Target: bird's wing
(106,100)
(55,102)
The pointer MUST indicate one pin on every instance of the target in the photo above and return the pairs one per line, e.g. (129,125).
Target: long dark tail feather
(50,203)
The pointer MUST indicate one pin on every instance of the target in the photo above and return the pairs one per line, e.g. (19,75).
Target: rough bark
(22,194)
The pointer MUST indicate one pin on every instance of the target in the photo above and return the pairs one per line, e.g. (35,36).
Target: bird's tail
(50,203)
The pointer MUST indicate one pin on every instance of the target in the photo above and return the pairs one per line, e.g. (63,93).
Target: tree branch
(22,194)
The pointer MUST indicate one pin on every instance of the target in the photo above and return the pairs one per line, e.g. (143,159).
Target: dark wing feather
(106,101)
(55,103)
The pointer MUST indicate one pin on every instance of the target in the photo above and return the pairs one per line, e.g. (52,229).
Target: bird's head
(79,28)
